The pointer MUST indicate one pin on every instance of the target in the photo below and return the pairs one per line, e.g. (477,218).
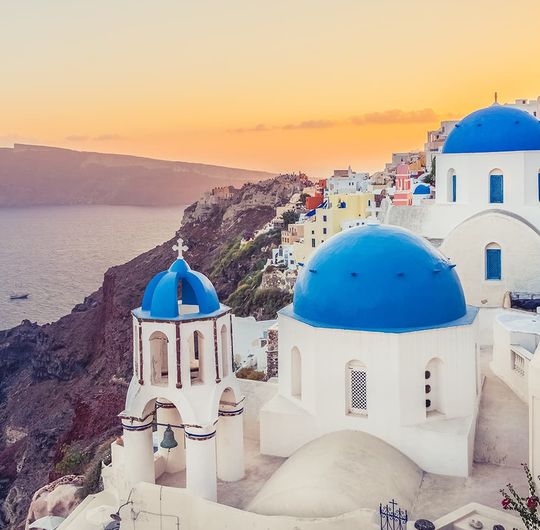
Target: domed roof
(160,298)
(495,128)
(378,278)
(422,189)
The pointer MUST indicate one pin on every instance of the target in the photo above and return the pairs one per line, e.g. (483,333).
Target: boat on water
(20,296)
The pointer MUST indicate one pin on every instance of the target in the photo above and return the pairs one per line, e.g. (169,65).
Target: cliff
(63,384)
(38,175)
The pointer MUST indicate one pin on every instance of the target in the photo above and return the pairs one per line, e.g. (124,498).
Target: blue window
(496,190)
(454,188)
(493,262)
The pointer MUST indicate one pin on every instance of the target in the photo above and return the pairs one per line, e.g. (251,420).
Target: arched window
(452,186)
(159,356)
(433,387)
(493,262)
(496,187)
(196,357)
(296,373)
(357,398)
(224,351)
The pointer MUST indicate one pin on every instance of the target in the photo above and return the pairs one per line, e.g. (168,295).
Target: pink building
(403,194)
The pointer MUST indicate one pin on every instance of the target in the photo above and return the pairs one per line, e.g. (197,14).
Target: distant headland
(32,175)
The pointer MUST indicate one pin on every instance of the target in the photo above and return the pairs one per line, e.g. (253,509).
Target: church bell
(169,441)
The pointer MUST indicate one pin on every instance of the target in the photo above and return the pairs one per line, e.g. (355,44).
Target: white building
(250,337)
(283,255)
(378,339)
(347,181)
(436,139)
(183,383)
(531,106)
(516,336)
(486,210)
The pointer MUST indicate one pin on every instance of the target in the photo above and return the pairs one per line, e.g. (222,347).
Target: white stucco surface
(338,473)
(314,397)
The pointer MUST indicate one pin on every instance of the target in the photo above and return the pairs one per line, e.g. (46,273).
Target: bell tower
(184,397)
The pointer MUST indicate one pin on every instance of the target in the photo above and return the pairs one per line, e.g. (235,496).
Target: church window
(493,262)
(224,351)
(159,358)
(296,373)
(357,388)
(496,187)
(452,186)
(196,356)
(518,363)
(433,387)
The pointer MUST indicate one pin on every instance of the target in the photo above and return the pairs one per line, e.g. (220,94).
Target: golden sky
(280,85)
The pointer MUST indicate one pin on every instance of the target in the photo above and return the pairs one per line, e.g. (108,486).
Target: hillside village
(405,355)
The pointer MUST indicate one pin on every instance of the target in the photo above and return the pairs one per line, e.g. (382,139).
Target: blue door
(454,188)
(496,188)
(493,263)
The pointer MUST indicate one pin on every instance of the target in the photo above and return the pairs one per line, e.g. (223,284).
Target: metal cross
(180,248)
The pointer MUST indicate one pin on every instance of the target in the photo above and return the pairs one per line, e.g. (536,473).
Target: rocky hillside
(37,175)
(63,384)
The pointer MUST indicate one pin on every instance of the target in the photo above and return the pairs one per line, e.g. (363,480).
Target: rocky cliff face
(63,384)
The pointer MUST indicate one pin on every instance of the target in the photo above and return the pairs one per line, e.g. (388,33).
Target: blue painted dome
(160,298)
(422,189)
(378,278)
(495,128)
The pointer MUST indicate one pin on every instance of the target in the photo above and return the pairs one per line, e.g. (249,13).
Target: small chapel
(378,339)
(183,388)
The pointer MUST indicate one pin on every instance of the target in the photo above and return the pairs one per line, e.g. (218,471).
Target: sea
(58,254)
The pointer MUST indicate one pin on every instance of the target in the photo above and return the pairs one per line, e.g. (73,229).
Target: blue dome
(160,298)
(422,189)
(378,278)
(495,128)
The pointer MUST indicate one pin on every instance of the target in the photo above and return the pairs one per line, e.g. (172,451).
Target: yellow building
(343,211)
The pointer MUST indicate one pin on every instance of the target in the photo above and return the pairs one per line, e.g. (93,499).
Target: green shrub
(73,460)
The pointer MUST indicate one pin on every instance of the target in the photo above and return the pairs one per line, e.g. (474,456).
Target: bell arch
(196,357)
(159,358)
(225,356)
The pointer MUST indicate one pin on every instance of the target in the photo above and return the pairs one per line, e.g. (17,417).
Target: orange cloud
(387,117)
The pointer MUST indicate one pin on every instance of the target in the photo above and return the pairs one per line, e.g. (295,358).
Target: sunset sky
(280,85)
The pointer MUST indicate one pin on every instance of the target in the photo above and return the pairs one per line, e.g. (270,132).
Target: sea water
(58,254)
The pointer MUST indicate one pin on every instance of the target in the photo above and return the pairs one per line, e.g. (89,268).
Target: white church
(381,377)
